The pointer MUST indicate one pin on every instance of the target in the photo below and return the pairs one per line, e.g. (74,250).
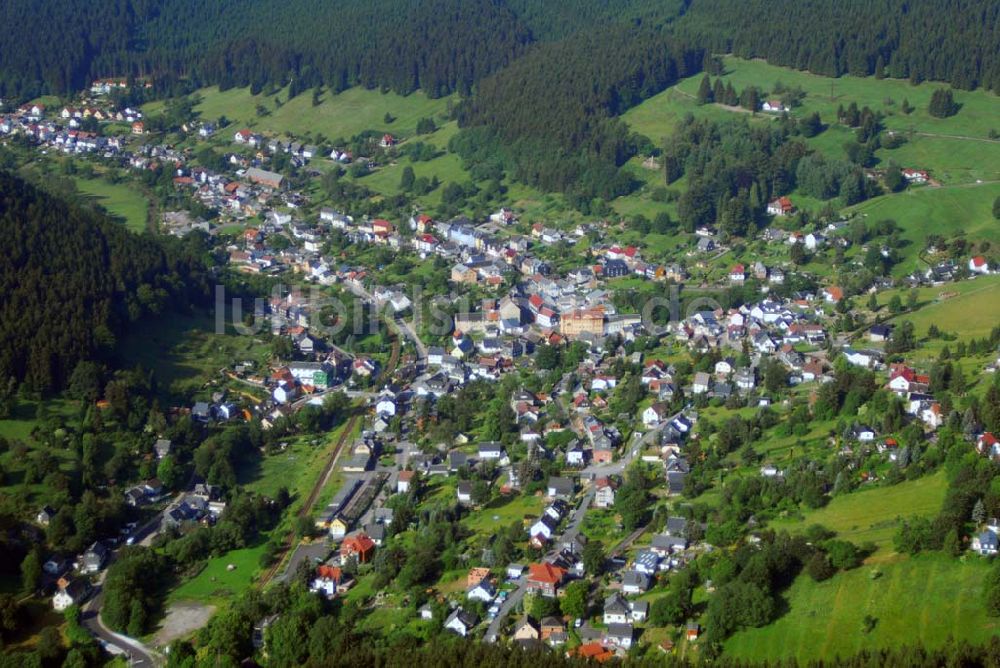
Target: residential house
(634,582)
(604,497)
(71,592)
(561,488)
(545,579)
(979,265)
(616,609)
(403,481)
(526,630)
(359,547)
(481,591)
(986,543)
(45,515)
(702,383)
(781,206)
(460,622)
(493,451)
(94,558)
(619,635)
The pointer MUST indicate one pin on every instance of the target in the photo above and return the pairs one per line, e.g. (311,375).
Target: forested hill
(437,45)
(441,46)
(957,41)
(551,116)
(71,280)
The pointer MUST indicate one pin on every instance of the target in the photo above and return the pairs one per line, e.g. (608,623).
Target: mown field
(927,599)
(872,515)
(119,199)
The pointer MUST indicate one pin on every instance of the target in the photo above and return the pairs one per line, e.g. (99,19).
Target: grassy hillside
(872,514)
(955,150)
(949,211)
(119,199)
(338,115)
(925,599)
(968,310)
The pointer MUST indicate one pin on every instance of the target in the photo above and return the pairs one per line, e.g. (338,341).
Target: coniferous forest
(73,279)
(444,46)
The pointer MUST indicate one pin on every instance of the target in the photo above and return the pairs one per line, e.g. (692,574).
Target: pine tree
(406,179)
(942,104)
(719,91)
(979,512)
(880,67)
(705,91)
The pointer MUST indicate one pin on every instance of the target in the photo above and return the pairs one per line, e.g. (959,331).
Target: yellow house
(338,528)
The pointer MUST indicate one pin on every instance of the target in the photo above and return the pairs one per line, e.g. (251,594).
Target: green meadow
(872,515)
(949,211)
(337,115)
(121,200)
(217,582)
(955,149)
(928,599)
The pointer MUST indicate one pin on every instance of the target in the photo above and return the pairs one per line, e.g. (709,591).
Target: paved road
(633,450)
(360,291)
(412,336)
(571,531)
(90,617)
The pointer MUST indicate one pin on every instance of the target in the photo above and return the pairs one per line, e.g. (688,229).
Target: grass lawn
(216,583)
(121,200)
(501,513)
(338,115)
(925,599)
(872,514)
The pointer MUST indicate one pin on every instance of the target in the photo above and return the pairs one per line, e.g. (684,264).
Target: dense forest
(953,40)
(550,116)
(443,46)
(71,279)
(437,45)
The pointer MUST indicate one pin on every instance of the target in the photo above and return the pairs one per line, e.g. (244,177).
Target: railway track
(310,502)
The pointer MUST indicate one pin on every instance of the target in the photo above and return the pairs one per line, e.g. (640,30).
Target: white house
(386,405)
(72,593)
(979,265)
(482,591)
(605,495)
(616,610)
(493,451)
(655,413)
(460,621)
(545,526)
